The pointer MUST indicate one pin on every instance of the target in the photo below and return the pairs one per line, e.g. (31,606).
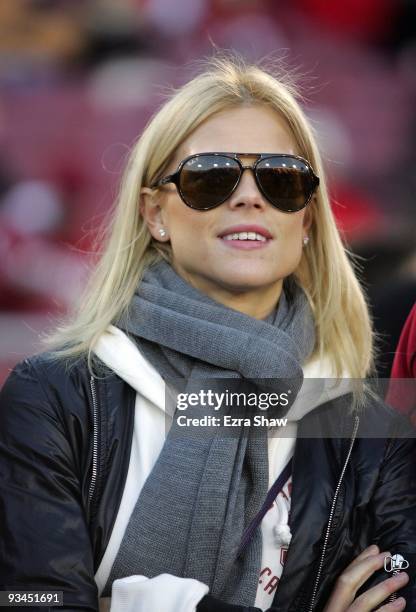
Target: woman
(222,261)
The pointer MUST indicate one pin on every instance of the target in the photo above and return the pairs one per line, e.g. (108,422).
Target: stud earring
(162,232)
(305,240)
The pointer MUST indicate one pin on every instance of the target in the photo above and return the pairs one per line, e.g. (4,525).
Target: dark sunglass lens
(287,182)
(207,180)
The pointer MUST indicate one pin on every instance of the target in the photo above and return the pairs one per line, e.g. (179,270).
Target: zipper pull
(395,564)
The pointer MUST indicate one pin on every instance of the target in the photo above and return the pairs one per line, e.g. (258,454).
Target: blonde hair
(343,325)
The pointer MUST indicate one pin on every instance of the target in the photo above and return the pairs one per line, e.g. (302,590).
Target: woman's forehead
(254,129)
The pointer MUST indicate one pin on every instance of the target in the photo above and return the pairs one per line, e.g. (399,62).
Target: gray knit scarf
(203,491)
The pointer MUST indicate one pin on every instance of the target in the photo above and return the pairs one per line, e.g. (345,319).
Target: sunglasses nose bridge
(243,168)
(249,192)
(247,166)
(252,167)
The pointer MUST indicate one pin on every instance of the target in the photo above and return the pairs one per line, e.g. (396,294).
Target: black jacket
(65,443)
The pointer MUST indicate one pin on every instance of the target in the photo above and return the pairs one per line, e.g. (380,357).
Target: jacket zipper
(331,516)
(397,563)
(393,596)
(95,441)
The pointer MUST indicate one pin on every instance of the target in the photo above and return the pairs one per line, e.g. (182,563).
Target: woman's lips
(246,229)
(245,245)
(246,237)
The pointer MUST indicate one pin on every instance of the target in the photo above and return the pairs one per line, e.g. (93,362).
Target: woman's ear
(308,218)
(152,213)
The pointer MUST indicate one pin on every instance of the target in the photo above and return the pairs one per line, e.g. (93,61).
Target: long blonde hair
(325,272)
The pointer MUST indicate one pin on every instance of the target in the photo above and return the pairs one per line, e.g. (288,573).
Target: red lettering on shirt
(265,570)
(272,585)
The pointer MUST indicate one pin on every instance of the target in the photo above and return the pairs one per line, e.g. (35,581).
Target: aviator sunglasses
(206,180)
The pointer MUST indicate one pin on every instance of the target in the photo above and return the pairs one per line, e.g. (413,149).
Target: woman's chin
(247,283)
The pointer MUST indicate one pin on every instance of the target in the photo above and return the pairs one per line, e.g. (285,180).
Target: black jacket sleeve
(393,511)
(44,539)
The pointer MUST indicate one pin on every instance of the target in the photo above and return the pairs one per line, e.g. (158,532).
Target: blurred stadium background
(80,78)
